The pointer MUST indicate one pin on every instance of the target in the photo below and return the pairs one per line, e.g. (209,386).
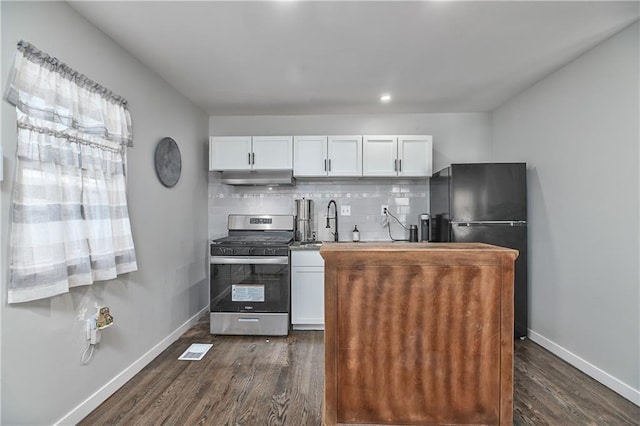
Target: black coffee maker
(424,227)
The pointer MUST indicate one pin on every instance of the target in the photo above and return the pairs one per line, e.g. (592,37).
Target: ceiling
(320,57)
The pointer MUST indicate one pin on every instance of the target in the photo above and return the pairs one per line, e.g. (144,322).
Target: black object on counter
(424,227)
(413,233)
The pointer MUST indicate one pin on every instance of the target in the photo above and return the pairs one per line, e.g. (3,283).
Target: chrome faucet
(335,217)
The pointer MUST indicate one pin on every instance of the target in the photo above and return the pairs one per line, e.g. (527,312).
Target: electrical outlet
(345,210)
(383,209)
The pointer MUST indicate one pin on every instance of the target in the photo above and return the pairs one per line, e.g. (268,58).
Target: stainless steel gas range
(250,276)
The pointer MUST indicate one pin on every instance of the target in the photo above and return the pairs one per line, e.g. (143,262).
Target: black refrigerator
(487,203)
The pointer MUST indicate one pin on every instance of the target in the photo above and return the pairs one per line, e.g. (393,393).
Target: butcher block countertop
(418,333)
(407,246)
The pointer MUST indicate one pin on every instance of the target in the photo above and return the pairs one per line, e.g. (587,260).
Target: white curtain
(70,222)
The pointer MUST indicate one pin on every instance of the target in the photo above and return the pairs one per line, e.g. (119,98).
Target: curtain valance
(43,87)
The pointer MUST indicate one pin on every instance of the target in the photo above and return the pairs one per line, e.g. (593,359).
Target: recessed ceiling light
(385,98)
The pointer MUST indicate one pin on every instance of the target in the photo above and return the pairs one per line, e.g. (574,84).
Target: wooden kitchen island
(418,333)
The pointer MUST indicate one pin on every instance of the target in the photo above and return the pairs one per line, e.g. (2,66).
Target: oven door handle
(249,260)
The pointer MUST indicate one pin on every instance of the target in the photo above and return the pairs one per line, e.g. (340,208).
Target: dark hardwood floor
(278,381)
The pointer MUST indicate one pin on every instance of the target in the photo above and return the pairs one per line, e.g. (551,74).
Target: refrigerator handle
(490,223)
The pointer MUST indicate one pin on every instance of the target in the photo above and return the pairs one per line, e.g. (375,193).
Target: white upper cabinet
(415,155)
(246,152)
(272,152)
(310,156)
(320,156)
(229,152)
(325,156)
(388,155)
(380,155)
(344,155)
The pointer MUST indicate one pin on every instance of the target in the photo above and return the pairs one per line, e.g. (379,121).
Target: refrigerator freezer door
(506,235)
(488,191)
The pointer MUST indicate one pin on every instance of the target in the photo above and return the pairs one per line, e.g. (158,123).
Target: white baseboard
(91,403)
(586,367)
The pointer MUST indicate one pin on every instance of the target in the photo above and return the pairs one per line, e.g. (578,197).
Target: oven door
(250,284)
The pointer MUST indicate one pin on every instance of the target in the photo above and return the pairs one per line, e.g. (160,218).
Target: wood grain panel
(411,349)
(506,278)
(414,334)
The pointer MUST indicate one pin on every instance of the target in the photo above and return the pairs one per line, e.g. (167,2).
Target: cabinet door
(415,155)
(229,152)
(307,296)
(345,155)
(272,152)
(310,156)
(380,156)
(306,258)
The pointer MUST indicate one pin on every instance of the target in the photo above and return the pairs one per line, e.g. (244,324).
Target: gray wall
(42,379)
(578,131)
(456,138)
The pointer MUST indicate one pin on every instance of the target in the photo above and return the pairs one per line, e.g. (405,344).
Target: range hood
(258,177)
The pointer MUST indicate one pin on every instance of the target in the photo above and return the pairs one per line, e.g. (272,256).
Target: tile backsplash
(406,200)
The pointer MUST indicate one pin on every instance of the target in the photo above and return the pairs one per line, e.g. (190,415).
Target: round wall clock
(168,162)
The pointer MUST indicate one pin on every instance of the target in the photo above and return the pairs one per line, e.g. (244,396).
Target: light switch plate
(345,210)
